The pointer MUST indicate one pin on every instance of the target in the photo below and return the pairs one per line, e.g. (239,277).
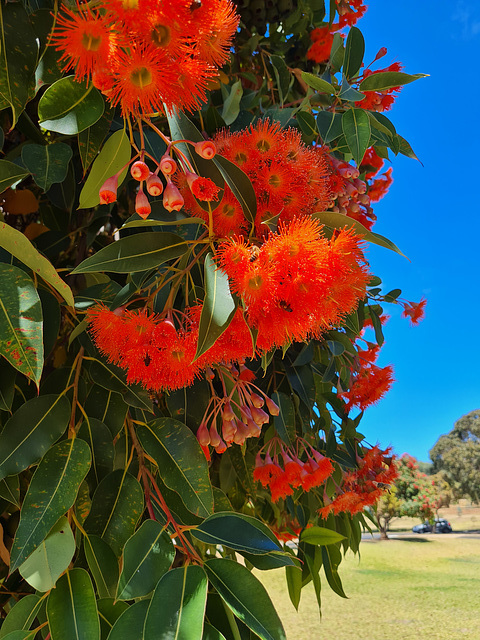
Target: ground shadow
(410,539)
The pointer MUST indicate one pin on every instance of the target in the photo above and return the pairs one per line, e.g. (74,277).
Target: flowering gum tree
(189,324)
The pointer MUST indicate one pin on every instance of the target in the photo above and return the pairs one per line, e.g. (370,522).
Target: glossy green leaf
(116,508)
(69,107)
(331,557)
(21,322)
(129,625)
(31,431)
(348,93)
(51,493)
(319,84)
(181,462)
(340,221)
(218,306)
(388,80)
(51,558)
(240,184)
(21,615)
(10,490)
(320,535)
(107,406)
(329,125)
(306,122)
(231,105)
(210,633)
(269,561)
(354,50)
(238,532)
(282,76)
(100,441)
(109,611)
(406,149)
(71,608)
(19,246)
(21,635)
(114,155)
(18,57)
(246,597)
(139,252)
(103,565)
(356,129)
(284,423)
(177,607)
(90,140)
(294,585)
(47,163)
(10,173)
(113,378)
(147,555)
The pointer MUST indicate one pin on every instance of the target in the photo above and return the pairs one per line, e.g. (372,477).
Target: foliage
(188,323)
(457,455)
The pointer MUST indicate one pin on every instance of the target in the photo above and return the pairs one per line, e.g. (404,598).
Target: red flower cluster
(322,40)
(289,178)
(298,283)
(414,310)
(380,100)
(379,187)
(285,471)
(350,193)
(143,54)
(363,487)
(350,11)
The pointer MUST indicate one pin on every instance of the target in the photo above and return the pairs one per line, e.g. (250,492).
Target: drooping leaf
(320,536)
(306,122)
(282,76)
(51,493)
(388,80)
(231,105)
(31,431)
(354,50)
(19,246)
(90,140)
(210,633)
(177,607)
(147,555)
(246,597)
(331,557)
(218,306)
(317,83)
(99,439)
(51,558)
(240,184)
(284,423)
(71,608)
(237,531)
(139,252)
(47,163)
(18,56)
(294,584)
(129,625)
(269,561)
(22,615)
(21,322)
(69,107)
(356,129)
(116,508)
(181,462)
(114,155)
(103,565)
(10,173)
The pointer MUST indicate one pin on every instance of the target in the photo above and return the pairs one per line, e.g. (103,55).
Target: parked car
(441,526)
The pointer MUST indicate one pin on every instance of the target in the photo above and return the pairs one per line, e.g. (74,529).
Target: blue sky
(432,213)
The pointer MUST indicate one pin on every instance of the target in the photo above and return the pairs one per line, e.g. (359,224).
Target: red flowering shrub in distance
(192,327)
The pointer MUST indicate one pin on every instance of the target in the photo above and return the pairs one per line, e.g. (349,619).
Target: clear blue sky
(433,214)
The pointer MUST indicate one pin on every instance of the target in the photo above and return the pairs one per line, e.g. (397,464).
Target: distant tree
(457,454)
(425,467)
(387,508)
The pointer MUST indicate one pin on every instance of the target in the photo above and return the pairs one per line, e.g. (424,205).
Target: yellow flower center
(161,35)
(228,210)
(130,4)
(255,283)
(141,77)
(91,42)
(263,145)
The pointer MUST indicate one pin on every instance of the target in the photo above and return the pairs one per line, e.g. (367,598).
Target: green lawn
(403,589)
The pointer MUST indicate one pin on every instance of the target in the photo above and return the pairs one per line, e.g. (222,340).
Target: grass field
(407,588)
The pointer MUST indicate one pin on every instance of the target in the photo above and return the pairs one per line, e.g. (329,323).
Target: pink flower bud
(273,409)
(202,435)
(108,191)
(154,185)
(142,205)
(206,149)
(139,170)
(172,198)
(168,166)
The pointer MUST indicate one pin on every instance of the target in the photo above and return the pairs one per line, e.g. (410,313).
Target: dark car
(441,526)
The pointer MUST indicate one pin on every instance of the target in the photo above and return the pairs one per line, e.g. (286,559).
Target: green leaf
(210,633)
(306,122)
(116,508)
(21,615)
(284,423)
(240,184)
(388,80)
(31,431)
(294,584)
(238,532)
(47,163)
(107,406)
(99,439)
(269,561)
(320,535)
(7,385)
(19,246)
(406,149)
(218,307)
(317,83)
(103,565)
(331,557)
(51,493)
(18,57)
(49,560)
(139,252)
(114,155)
(129,625)
(329,125)
(348,93)
(181,462)
(114,379)
(177,607)
(340,221)
(354,50)
(90,140)
(71,608)
(10,490)
(246,597)
(69,107)
(109,611)
(21,322)
(282,76)
(356,128)
(10,173)
(231,105)
(147,555)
